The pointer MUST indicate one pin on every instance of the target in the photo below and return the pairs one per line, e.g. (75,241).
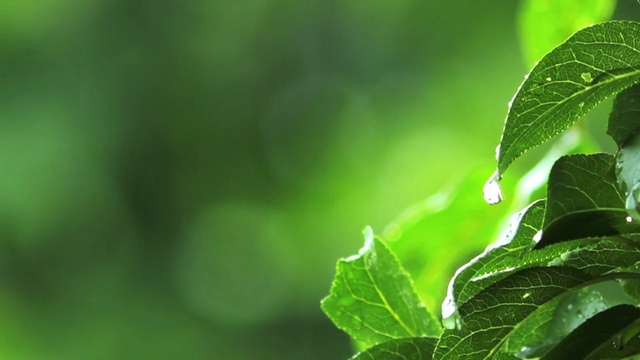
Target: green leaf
(416,348)
(591,65)
(517,240)
(491,315)
(595,256)
(628,171)
(583,200)
(372,298)
(612,334)
(624,119)
(549,324)
(546,23)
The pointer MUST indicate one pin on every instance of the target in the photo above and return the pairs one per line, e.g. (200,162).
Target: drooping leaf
(591,65)
(583,200)
(612,334)
(415,348)
(491,315)
(518,239)
(373,300)
(624,119)
(544,24)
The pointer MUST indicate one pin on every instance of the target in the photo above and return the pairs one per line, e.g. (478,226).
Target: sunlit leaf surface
(372,298)
(568,82)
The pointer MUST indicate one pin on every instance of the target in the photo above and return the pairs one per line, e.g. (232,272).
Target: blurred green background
(178,178)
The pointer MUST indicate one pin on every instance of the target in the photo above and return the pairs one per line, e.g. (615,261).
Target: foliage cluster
(564,280)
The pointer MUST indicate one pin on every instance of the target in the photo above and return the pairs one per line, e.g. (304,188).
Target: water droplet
(498,152)
(450,316)
(492,190)
(629,219)
(581,104)
(586,77)
(548,79)
(538,236)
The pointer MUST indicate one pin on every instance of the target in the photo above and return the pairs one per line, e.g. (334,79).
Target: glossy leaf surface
(583,200)
(490,316)
(612,334)
(591,65)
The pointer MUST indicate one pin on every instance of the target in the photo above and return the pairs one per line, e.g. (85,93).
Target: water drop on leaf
(450,315)
(492,190)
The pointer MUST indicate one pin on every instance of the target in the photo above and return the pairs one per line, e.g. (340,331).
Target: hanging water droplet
(450,316)
(492,191)
(586,76)
(538,236)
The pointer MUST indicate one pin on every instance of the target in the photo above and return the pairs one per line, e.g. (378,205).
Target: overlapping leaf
(624,119)
(612,334)
(492,314)
(591,65)
(624,123)
(549,324)
(416,348)
(373,300)
(518,239)
(605,258)
(583,200)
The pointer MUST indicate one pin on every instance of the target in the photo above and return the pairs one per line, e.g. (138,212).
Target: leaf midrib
(560,104)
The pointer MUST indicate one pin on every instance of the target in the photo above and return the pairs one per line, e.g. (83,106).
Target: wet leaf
(624,119)
(549,324)
(491,315)
(417,348)
(628,166)
(372,298)
(591,65)
(583,200)
(517,240)
(612,334)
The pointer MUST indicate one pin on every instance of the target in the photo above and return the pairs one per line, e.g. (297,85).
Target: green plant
(564,281)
